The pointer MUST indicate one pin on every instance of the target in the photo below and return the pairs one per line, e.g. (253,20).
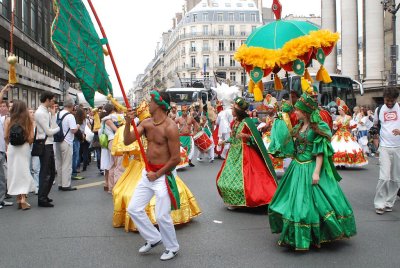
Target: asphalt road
(78,231)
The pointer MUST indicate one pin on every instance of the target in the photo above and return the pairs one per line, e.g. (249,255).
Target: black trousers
(84,152)
(47,173)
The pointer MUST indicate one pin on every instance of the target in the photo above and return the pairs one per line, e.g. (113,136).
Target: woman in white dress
(107,160)
(348,152)
(19,179)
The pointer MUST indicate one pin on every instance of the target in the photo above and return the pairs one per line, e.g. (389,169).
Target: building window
(239,5)
(205,29)
(232,29)
(253,17)
(25,96)
(243,78)
(221,60)
(241,17)
(230,16)
(33,99)
(194,17)
(221,45)
(232,45)
(15,93)
(193,46)
(193,61)
(205,45)
(232,76)
(232,62)
(192,75)
(220,30)
(206,60)
(220,17)
(207,75)
(227,4)
(205,16)
(193,30)
(242,30)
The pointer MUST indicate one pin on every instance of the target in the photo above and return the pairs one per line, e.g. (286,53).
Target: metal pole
(393,77)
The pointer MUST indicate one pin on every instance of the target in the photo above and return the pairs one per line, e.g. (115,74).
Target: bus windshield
(341,86)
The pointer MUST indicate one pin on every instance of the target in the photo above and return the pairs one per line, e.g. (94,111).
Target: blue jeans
(75,157)
(35,170)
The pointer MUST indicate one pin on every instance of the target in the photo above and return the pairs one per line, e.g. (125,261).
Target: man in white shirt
(64,149)
(224,120)
(46,127)
(388,116)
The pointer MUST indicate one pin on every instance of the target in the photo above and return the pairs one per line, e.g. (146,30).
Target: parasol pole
(120,83)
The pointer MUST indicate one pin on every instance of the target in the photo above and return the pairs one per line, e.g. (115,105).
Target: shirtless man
(187,125)
(173,113)
(163,155)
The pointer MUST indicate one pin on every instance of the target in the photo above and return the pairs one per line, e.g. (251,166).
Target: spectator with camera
(387,119)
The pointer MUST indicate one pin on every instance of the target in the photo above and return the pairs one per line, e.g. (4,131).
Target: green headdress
(286,106)
(244,105)
(160,102)
(308,105)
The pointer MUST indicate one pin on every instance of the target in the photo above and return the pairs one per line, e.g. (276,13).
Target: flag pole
(120,83)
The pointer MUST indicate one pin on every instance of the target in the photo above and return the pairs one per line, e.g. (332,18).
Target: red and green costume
(247,177)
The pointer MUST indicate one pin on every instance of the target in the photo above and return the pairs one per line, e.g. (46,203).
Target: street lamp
(390,6)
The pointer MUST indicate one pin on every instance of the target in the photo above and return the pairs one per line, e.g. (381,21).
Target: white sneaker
(199,159)
(379,211)
(6,203)
(388,209)
(167,255)
(147,247)
(212,160)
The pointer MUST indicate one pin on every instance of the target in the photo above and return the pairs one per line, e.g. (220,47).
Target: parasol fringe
(323,75)
(258,94)
(308,76)
(277,82)
(251,86)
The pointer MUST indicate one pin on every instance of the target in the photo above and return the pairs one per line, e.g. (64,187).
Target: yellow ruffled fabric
(125,187)
(268,58)
(119,148)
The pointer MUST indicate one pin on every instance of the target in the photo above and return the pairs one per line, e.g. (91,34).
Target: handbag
(103,138)
(38,145)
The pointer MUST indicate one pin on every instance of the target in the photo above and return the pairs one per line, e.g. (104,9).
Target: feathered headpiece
(342,105)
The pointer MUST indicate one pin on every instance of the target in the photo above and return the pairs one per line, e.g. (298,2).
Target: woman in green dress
(309,207)
(247,176)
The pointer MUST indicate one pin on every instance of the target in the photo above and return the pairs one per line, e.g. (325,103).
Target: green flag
(76,41)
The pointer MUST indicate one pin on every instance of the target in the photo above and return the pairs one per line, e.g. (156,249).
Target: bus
(341,86)
(189,95)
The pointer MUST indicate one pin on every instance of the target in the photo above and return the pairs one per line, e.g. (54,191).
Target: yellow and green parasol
(285,44)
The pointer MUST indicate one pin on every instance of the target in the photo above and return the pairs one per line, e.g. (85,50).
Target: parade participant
(218,149)
(247,177)
(186,125)
(309,207)
(203,126)
(128,181)
(163,155)
(173,113)
(387,119)
(223,123)
(271,107)
(348,152)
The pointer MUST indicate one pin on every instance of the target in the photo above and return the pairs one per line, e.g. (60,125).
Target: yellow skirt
(123,191)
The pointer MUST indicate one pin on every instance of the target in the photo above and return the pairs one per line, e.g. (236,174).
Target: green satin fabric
(307,214)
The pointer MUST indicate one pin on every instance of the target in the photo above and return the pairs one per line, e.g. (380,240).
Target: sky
(134,27)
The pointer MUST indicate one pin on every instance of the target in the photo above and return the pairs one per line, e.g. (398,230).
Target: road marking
(88,185)
(219,222)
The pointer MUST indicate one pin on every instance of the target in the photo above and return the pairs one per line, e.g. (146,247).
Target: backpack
(103,138)
(59,136)
(17,135)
